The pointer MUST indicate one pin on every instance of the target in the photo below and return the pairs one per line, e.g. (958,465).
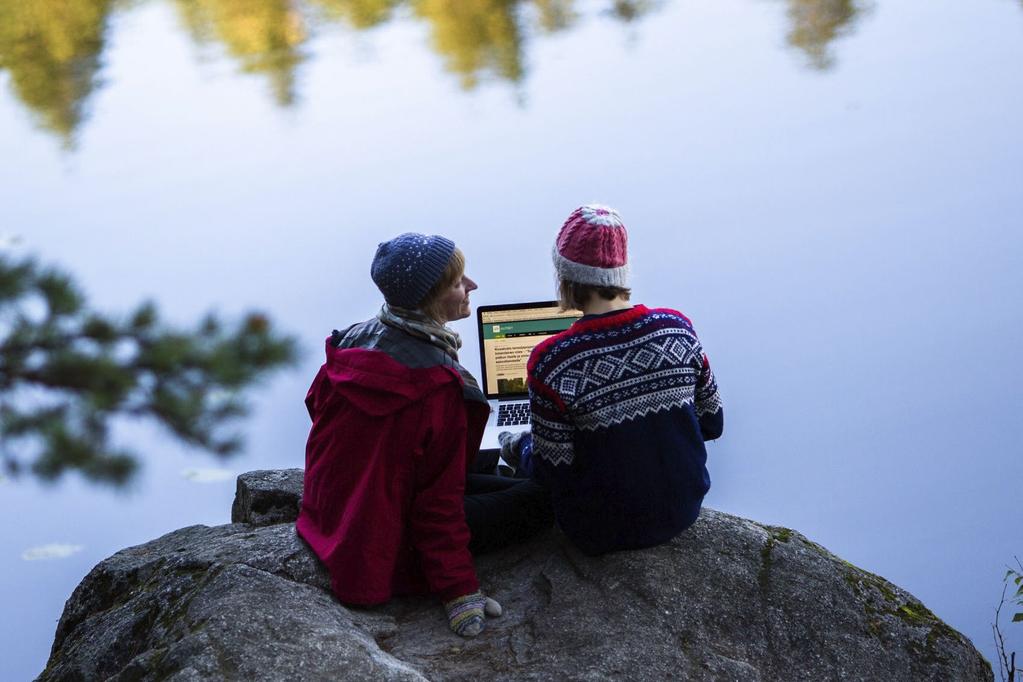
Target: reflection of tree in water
(264,35)
(51,49)
(359,13)
(477,36)
(554,15)
(630,10)
(815,23)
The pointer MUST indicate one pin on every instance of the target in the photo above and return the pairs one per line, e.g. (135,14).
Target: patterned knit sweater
(621,406)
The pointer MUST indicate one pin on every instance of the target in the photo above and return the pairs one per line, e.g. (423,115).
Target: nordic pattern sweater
(621,406)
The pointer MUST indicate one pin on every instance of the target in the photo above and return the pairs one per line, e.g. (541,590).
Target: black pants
(502,511)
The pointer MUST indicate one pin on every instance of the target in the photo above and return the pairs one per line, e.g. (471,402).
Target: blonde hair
(453,272)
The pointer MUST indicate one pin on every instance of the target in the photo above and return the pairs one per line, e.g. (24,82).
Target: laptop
(507,335)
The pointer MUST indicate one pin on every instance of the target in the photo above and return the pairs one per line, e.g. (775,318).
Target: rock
(263,498)
(729,599)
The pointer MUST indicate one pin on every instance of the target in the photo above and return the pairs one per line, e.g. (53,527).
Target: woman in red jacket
(396,422)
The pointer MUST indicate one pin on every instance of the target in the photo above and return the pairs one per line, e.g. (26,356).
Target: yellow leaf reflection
(475,37)
(555,15)
(263,35)
(359,13)
(815,23)
(51,49)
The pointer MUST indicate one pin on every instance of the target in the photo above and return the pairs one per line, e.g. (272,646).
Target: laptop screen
(508,334)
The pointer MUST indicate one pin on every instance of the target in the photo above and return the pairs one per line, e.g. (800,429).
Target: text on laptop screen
(509,336)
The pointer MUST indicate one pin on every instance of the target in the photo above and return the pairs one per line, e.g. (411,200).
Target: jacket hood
(377,384)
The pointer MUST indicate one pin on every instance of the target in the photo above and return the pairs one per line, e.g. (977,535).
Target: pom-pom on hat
(591,248)
(407,267)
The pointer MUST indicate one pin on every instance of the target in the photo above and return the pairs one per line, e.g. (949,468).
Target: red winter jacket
(385,476)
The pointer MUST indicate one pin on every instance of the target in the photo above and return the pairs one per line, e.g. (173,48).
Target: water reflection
(265,36)
(53,49)
(816,23)
(554,15)
(475,37)
(55,550)
(630,10)
(358,14)
(208,475)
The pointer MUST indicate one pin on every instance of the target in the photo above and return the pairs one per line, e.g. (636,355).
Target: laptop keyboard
(512,414)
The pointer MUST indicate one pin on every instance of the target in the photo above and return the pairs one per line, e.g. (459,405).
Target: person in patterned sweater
(621,402)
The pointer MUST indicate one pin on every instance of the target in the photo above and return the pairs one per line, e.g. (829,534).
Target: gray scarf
(422,327)
(417,324)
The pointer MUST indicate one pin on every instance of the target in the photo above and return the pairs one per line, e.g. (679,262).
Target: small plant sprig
(1007,670)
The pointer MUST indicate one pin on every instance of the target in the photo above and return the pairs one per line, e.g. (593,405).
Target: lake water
(831,189)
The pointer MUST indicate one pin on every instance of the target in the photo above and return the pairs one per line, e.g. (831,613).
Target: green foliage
(1007,669)
(66,372)
(1017,597)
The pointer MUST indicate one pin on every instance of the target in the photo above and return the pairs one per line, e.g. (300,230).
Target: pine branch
(91,368)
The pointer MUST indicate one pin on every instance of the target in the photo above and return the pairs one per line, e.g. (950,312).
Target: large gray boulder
(729,599)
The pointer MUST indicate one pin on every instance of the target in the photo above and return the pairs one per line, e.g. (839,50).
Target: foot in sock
(466,613)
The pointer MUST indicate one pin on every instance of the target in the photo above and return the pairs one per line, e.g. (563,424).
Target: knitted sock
(463,611)
(465,614)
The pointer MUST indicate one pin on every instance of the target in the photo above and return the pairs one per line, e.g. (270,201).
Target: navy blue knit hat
(407,267)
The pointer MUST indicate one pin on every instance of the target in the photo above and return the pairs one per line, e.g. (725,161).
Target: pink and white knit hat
(591,248)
